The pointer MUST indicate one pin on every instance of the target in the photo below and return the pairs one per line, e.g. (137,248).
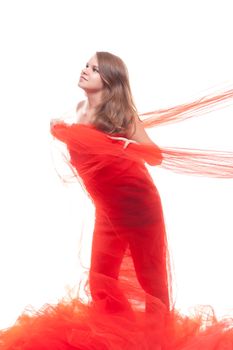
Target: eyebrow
(93,65)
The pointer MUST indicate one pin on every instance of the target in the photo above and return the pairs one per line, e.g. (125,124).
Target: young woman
(128,208)
(129,277)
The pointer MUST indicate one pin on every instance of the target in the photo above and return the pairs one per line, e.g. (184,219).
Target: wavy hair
(116,113)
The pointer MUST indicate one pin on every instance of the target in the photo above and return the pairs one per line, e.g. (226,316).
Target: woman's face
(90,80)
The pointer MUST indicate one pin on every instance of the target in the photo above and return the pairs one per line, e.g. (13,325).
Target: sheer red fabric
(129,284)
(195,108)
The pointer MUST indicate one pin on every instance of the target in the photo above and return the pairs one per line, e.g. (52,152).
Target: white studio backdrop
(175,51)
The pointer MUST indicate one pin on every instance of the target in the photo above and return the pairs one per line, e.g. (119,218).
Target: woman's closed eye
(94,68)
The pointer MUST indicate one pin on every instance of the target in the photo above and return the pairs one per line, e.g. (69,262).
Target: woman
(131,215)
(129,277)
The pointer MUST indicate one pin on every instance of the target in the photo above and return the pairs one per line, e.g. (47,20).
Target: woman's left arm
(138,134)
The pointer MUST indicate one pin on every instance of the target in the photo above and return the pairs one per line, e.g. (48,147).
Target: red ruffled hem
(73,325)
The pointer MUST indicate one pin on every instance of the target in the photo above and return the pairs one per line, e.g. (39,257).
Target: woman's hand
(127,141)
(55,121)
(151,155)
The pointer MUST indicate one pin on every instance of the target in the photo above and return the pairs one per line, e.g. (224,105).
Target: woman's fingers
(118,138)
(55,121)
(126,141)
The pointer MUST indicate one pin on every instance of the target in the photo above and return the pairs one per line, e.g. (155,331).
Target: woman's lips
(82,77)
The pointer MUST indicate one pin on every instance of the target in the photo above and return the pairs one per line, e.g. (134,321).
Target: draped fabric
(129,289)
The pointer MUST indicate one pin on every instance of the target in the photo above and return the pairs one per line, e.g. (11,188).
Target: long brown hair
(117,112)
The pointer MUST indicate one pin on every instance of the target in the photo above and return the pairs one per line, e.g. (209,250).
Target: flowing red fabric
(129,286)
(199,107)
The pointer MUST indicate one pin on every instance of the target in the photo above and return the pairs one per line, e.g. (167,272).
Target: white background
(175,51)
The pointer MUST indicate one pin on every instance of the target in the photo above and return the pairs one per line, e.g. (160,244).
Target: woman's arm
(138,134)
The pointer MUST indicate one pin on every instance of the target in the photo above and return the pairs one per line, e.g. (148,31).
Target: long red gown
(129,278)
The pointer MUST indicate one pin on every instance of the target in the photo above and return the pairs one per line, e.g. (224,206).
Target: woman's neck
(93,100)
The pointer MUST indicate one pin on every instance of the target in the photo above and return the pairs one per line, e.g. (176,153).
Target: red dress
(129,282)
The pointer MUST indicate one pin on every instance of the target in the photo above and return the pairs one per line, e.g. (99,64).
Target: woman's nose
(84,71)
